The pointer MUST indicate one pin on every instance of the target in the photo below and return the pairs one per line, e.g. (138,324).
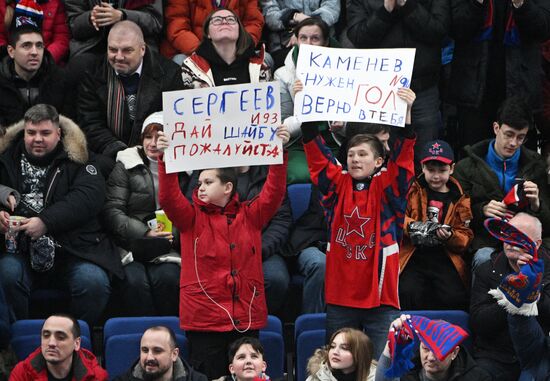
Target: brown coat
(458,216)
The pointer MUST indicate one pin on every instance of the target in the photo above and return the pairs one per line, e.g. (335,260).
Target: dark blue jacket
(532,347)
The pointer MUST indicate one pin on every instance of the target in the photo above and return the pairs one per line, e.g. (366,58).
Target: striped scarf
(511,34)
(115,103)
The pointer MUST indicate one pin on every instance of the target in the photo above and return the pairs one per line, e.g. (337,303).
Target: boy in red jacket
(221,285)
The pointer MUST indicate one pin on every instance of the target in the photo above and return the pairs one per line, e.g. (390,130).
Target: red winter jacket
(55,30)
(221,254)
(85,368)
(184,20)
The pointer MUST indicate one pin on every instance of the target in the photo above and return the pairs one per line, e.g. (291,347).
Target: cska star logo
(435,149)
(355,223)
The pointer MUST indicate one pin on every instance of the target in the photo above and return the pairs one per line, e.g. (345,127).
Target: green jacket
(480,182)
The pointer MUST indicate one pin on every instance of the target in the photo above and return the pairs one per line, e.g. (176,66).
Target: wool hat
(27,12)
(439,336)
(438,150)
(518,292)
(155,117)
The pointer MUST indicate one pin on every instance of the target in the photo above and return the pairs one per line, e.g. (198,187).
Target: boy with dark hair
(433,273)
(492,168)
(381,131)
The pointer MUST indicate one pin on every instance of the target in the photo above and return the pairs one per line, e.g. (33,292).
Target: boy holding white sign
(221,285)
(365,208)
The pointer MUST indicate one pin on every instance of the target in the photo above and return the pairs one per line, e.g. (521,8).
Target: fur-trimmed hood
(318,369)
(72,138)
(130,157)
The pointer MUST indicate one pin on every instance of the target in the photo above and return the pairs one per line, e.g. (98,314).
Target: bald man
(493,349)
(124,89)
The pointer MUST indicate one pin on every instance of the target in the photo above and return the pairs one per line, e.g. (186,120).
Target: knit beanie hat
(27,12)
(438,336)
(155,117)
(518,292)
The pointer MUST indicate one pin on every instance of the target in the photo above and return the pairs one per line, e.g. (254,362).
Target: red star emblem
(355,223)
(436,145)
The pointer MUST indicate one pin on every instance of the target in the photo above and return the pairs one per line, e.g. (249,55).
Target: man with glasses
(493,168)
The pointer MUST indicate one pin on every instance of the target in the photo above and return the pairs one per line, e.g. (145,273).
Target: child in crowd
(381,131)
(246,360)
(348,357)
(437,233)
(365,208)
(221,284)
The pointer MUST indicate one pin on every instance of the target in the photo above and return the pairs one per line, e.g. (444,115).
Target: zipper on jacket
(57,171)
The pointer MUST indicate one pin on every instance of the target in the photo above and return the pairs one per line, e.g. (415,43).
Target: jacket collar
(201,67)
(130,157)
(72,138)
(180,370)
(231,209)
(38,363)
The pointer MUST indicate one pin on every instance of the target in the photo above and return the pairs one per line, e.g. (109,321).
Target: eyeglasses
(509,135)
(219,20)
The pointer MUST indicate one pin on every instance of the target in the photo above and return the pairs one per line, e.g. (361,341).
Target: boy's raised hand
(298,86)
(162,141)
(408,96)
(282,133)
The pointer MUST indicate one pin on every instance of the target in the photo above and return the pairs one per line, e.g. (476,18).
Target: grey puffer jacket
(278,17)
(318,369)
(130,200)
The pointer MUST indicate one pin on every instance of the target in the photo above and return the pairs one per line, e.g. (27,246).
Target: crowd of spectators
(81,174)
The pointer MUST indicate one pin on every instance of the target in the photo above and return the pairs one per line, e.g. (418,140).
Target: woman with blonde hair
(348,357)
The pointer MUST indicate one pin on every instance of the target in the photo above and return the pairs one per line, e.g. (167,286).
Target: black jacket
(158,75)
(54,89)
(74,197)
(474,60)
(420,24)
(310,229)
(480,182)
(463,368)
(249,185)
(489,320)
(182,372)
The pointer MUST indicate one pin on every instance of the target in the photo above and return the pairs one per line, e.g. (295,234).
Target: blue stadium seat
(25,336)
(299,195)
(122,338)
(271,337)
(124,325)
(309,334)
(121,351)
(458,317)
(309,322)
(306,344)
(273,325)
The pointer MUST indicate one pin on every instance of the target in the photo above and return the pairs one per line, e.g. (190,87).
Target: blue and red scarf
(518,292)
(511,33)
(438,336)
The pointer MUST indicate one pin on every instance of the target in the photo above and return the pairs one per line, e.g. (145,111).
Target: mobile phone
(446,227)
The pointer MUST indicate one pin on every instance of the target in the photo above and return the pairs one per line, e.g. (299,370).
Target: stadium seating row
(121,339)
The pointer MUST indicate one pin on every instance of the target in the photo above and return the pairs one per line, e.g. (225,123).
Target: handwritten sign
(226,126)
(354,85)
